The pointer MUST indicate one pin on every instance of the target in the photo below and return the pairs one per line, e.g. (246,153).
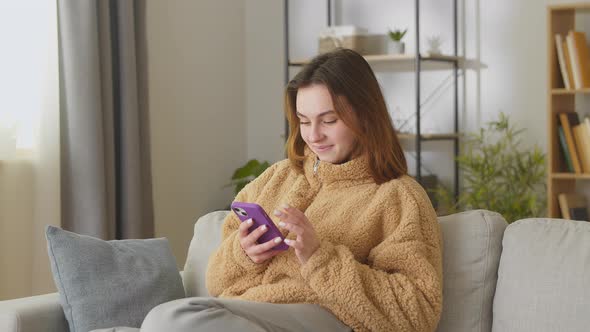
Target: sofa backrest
(206,238)
(472,244)
(544,277)
(471,251)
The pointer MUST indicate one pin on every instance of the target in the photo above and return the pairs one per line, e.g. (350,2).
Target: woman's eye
(304,123)
(331,121)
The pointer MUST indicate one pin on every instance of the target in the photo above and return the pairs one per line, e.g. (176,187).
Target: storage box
(363,44)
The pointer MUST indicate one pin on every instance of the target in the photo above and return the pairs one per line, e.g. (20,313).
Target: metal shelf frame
(418,60)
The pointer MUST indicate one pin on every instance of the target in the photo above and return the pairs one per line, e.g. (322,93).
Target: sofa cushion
(544,277)
(206,238)
(472,243)
(110,283)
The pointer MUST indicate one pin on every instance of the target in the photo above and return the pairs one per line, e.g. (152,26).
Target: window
(29,72)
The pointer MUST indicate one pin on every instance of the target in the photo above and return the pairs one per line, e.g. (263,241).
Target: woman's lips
(323,148)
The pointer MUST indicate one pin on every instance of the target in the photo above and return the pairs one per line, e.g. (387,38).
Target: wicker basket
(363,44)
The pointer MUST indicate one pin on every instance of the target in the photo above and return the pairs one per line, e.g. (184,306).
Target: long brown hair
(359,103)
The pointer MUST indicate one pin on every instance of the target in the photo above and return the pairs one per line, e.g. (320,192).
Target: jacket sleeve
(230,272)
(400,287)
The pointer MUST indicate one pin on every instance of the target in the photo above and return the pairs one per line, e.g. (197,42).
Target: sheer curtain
(29,144)
(44,145)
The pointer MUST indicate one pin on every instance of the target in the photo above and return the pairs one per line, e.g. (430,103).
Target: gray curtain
(105,172)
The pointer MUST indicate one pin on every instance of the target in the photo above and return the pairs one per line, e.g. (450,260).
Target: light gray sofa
(533,275)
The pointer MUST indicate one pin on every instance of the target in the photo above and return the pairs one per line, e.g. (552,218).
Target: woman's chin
(332,159)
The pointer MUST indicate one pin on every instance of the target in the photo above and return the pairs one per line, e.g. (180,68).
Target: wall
(514,48)
(197,110)
(16,215)
(263,36)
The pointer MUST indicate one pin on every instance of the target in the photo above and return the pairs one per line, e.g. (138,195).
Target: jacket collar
(355,170)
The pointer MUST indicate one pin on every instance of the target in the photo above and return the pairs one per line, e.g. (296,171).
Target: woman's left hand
(295,221)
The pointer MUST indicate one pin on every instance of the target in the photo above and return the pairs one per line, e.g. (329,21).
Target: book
(568,65)
(583,145)
(566,154)
(561,60)
(573,55)
(583,57)
(586,123)
(568,120)
(573,206)
(585,138)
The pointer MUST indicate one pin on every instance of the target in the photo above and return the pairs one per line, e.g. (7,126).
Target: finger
(287,217)
(281,214)
(296,216)
(295,228)
(294,211)
(295,244)
(265,256)
(251,239)
(243,228)
(264,247)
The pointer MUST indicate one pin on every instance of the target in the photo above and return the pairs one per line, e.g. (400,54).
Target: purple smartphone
(245,211)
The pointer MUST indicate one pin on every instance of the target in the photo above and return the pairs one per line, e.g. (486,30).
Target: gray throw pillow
(110,283)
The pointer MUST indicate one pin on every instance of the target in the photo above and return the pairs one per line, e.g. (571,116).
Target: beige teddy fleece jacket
(379,265)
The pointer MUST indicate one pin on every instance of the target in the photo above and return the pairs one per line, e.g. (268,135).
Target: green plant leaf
(498,174)
(246,170)
(246,173)
(397,34)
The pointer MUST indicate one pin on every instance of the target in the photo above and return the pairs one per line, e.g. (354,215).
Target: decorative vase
(434,44)
(396,47)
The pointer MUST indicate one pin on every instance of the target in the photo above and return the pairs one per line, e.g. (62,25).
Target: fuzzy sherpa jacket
(379,264)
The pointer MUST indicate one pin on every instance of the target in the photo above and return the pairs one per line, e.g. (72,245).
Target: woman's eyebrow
(319,115)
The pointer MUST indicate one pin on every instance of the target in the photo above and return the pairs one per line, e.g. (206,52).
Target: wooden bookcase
(560,19)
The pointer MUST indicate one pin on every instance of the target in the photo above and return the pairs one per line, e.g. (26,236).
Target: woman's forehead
(314,100)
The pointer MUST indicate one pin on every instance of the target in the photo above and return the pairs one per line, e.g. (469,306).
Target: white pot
(396,47)
(434,51)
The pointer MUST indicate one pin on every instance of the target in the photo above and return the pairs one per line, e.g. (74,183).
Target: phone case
(245,211)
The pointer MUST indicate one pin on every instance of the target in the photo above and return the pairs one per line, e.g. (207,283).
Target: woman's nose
(315,134)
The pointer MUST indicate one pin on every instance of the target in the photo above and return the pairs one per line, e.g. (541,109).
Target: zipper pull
(316,165)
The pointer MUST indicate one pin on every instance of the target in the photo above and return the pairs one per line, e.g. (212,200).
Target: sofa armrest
(35,313)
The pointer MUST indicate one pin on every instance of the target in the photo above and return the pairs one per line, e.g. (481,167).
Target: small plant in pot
(396,46)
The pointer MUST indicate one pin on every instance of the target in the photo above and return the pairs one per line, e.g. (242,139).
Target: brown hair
(358,101)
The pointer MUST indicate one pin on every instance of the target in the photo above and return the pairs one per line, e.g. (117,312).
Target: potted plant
(244,174)
(396,46)
(498,174)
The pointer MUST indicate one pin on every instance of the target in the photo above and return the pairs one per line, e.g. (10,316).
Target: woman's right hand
(258,253)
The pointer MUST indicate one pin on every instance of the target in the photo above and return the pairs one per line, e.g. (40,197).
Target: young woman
(365,243)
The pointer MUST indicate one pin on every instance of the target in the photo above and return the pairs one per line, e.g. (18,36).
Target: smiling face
(321,128)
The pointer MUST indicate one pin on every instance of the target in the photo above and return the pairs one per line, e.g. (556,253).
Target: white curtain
(29,144)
